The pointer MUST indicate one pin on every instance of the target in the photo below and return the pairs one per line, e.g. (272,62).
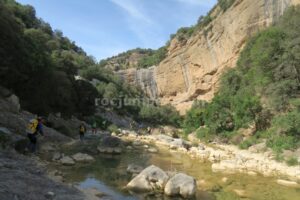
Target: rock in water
(150,179)
(68,161)
(287,183)
(80,157)
(134,169)
(181,184)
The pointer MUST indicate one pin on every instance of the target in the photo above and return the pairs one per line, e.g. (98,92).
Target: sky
(104,28)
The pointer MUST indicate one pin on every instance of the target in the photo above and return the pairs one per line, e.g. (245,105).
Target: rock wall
(192,70)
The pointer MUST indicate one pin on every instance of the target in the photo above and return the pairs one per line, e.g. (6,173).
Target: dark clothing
(81,135)
(82,130)
(32,142)
(39,128)
(32,146)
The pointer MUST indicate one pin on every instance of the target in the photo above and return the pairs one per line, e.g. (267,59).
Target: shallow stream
(108,174)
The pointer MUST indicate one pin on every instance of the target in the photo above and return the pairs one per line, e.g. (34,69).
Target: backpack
(32,126)
(82,128)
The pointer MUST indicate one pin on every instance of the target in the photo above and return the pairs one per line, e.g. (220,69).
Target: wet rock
(129,147)
(137,143)
(240,193)
(68,161)
(111,141)
(181,184)
(109,150)
(134,169)
(50,195)
(152,150)
(224,179)
(57,156)
(251,173)
(287,183)
(80,157)
(150,179)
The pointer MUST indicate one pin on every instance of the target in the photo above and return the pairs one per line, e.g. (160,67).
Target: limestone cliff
(192,69)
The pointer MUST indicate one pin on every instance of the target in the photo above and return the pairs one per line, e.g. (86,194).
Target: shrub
(204,134)
(225,4)
(248,143)
(280,142)
(194,118)
(113,128)
(292,161)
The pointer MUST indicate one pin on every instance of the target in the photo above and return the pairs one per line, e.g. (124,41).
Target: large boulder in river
(68,161)
(181,185)
(150,179)
(111,141)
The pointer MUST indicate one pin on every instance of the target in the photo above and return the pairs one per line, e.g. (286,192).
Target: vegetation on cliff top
(263,90)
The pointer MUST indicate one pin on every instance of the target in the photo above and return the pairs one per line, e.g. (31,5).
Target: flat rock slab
(80,157)
(67,161)
(287,183)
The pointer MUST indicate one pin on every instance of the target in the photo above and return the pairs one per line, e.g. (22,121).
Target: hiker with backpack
(82,130)
(34,127)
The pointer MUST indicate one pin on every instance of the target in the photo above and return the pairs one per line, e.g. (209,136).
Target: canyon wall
(192,69)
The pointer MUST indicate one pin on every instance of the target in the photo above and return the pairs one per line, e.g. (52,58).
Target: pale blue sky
(104,28)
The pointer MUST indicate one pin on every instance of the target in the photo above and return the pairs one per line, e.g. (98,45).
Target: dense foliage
(39,64)
(264,90)
(135,58)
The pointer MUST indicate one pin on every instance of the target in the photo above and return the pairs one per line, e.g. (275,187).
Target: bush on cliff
(264,88)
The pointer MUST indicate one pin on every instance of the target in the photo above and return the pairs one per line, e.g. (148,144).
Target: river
(108,174)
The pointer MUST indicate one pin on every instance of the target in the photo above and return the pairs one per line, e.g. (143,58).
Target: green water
(108,174)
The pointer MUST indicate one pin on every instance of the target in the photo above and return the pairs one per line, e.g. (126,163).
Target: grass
(292,161)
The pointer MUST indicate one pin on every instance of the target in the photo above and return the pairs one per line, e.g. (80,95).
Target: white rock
(68,161)
(181,184)
(80,157)
(150,179)
(287,183)
(134,169)
(152,150)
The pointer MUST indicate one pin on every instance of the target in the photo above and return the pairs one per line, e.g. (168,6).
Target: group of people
(35,128)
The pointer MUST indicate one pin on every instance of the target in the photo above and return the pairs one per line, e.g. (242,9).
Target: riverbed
(108,175)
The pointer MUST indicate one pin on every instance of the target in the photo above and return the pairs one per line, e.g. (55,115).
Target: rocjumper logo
(124,101)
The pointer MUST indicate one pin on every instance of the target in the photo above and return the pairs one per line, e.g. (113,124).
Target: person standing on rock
(82,130)
(34,128)
(94,128)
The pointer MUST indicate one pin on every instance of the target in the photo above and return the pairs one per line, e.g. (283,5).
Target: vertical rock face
(144,78)
(192,70)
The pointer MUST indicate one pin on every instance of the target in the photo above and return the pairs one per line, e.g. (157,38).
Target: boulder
(152,150)
(111,141)
(80,157)
(150,179)
(181,185)
(240,193)
(287,183)
(109,150)
(68,161)
(258,147)
(57,156)
(134,169)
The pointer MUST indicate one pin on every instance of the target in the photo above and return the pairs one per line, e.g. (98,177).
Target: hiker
(94,128)
(149,130)
(34,127)
(82,130)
